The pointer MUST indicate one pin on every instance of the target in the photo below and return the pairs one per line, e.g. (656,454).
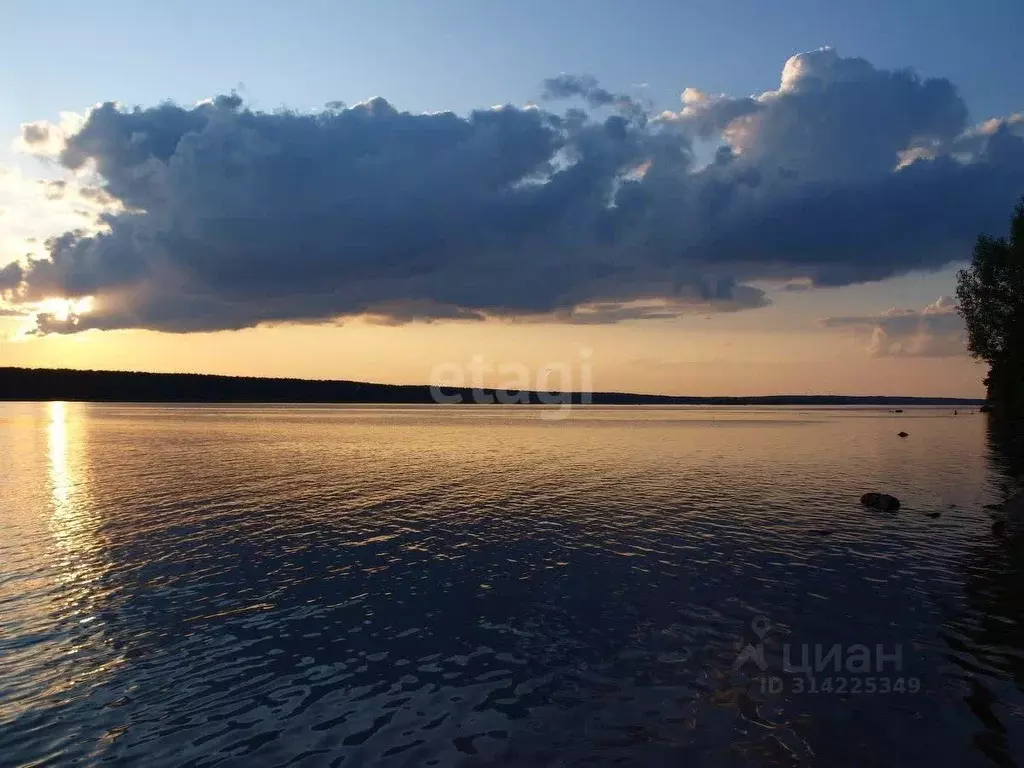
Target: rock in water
(932,515)
(1014,506)
(902,434)
(882,501)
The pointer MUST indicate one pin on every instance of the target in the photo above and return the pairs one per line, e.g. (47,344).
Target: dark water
(415,586)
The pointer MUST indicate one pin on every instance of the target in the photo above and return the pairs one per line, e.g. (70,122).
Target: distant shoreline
(42,384)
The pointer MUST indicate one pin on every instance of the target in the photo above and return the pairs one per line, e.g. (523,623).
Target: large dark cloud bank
(597,211)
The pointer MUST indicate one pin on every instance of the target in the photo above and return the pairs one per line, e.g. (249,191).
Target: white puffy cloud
(45,139)
(935,331)
(32,210)
(831,118)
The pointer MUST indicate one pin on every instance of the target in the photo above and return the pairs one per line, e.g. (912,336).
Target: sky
(686,197)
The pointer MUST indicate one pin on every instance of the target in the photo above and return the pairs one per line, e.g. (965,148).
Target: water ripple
(199,585)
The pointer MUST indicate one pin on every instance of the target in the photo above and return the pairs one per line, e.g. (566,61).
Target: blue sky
(462,55)
(459,56)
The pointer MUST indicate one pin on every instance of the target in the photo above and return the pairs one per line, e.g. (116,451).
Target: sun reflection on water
(73,522)
(70,519)
(57,435)
(79,553)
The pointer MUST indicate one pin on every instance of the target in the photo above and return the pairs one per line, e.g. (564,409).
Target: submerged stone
(882,501)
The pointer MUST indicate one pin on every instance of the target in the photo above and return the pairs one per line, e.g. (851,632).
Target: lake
(471,585)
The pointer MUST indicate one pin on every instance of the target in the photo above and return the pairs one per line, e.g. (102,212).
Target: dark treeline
(116,386)
(990,297)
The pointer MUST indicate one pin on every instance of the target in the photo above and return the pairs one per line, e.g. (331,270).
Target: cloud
(831,119)
(229,217)
(33,209)
(974,140)
(710,115)
(10,276)
(935,331)
(797,286)
(725,297)
(45,139)
(567,86)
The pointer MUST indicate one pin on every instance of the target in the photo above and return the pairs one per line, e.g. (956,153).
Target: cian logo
(755,653)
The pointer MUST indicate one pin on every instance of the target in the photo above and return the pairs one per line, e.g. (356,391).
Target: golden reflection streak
(57,435)
(74,525)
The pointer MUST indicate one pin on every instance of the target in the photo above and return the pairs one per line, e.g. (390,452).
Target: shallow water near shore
(295,585)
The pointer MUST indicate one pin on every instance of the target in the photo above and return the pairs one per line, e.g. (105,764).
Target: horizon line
(491,389)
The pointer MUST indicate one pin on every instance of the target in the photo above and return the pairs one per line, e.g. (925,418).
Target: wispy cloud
(935,331)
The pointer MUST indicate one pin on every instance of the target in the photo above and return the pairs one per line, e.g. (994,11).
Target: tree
(990,298)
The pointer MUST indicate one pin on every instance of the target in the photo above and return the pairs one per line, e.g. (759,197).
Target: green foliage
(990,298)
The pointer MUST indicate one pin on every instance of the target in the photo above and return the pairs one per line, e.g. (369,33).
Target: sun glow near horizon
(54,310)
(63,309)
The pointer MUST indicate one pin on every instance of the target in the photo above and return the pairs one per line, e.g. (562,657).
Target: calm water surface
(200,585)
